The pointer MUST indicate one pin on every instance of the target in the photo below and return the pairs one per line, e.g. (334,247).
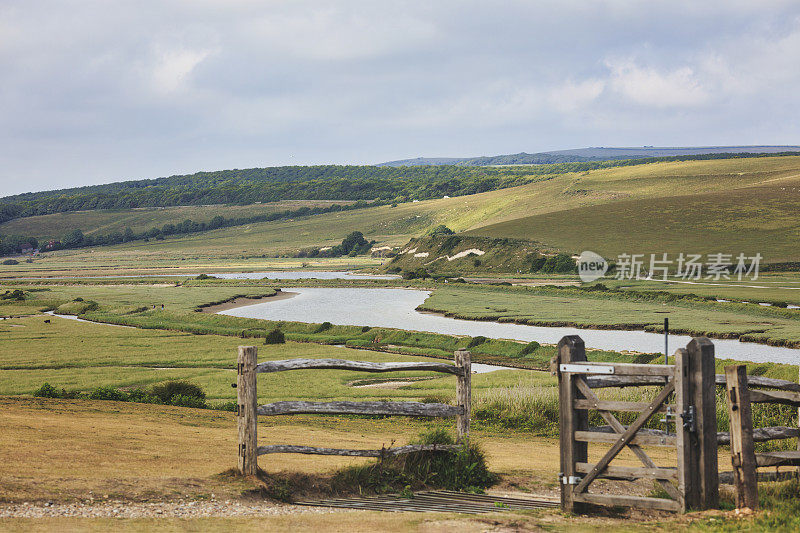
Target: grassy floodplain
(619,310)
(514,410)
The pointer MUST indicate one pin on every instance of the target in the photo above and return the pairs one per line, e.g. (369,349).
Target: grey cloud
(98,91)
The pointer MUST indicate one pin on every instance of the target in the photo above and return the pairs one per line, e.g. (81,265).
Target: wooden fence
(248,409)
(693,483)
(740,397)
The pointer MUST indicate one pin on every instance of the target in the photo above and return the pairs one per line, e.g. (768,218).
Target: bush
(108,393)
(462,469)
(16,294)
(419,273)
(476,341)
(559,264)
(530,348)
(441,229)
(47,391)
(205,276)
(325,326)
(142,396)
(10,262)
(188,401)
(275,336)
(165,392)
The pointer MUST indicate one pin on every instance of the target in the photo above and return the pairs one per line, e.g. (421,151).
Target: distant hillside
(272,184)
(422,161)
(591,154)
(458,255)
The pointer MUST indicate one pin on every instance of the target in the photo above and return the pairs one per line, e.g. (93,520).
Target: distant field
(549,306)
(106,221)
(748,203)
(748,220)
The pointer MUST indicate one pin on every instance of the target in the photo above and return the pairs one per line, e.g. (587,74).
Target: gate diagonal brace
(625,436)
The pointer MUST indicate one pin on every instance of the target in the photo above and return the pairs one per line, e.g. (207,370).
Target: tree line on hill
(244,187)
(16,244)
(321,182)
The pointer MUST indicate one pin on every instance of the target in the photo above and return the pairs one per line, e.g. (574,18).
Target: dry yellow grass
(63,449)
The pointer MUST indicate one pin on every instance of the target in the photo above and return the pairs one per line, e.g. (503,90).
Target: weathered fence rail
(248,409)
(743,436)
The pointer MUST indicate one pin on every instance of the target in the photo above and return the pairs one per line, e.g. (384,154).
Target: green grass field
(569,306)
(107,221)
(741,220)
(769,287)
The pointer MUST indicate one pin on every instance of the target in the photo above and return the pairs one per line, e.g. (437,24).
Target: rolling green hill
(762,218)
(105,221)
(747,204)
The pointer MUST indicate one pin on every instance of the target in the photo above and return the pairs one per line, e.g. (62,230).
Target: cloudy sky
(102,91)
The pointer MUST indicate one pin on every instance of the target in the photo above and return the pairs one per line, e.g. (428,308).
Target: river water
(395,308)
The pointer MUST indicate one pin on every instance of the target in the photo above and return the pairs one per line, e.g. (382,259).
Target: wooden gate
(687,392)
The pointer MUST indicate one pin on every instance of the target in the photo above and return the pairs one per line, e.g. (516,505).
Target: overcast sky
(103,91)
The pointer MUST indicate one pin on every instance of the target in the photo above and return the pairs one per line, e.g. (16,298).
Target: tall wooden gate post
(688,472)
(702,391)
(570,350)
(247,400)
(743,456)
(463,394)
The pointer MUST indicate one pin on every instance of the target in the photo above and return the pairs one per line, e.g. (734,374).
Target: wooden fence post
(688,479)
(247,400)
(570,350)
(463,394)
(702,390)
(743,456)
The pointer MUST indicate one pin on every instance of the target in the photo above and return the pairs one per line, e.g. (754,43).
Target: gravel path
(180,509)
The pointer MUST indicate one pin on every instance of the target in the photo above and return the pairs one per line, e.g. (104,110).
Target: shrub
(188,401)
(142,396)
(10,262)
(165,392)
(530,348)
(559,264)
(462,469)
(108,393)
(16,294)
(325,326)
(365,329)
(47,391)
(275,336)
(205,276)
(476,341)
(441,229)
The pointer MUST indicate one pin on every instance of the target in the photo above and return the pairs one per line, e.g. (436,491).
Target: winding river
(396,308)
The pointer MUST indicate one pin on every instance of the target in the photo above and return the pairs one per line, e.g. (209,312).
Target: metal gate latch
(569,480)
(688,419)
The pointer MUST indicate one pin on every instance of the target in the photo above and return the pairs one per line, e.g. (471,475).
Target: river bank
(397,308)
(246,301)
